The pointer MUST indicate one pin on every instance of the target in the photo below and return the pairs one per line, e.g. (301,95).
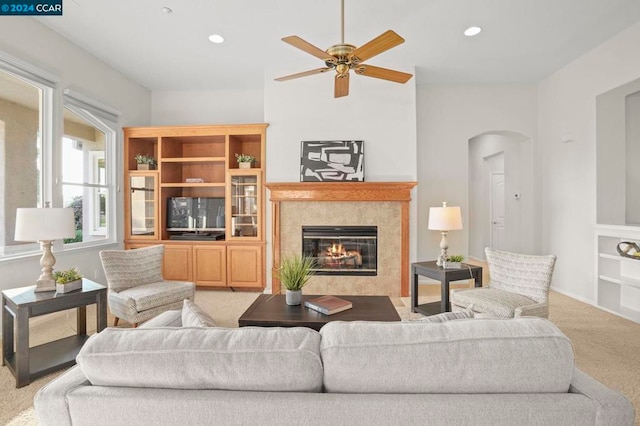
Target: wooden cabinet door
(210,265)
(178,263)
(244,266)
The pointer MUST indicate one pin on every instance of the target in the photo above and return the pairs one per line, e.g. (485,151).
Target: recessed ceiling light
(472,31)
(167,10)
(216,38)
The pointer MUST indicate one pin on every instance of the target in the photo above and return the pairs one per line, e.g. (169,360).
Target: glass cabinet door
(143,206)
(245,205)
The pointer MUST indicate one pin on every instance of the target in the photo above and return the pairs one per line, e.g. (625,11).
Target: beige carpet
(607,347)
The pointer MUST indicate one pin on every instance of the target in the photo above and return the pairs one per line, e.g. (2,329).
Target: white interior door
(498,231)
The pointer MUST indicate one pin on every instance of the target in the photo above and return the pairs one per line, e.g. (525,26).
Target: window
(84,178)
(76,168)
(25,122)
(88,169)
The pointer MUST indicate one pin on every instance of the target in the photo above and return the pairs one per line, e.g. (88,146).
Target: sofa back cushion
(526,355)
(249,358)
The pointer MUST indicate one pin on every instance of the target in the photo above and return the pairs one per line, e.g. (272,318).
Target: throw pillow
(448,316)
(194,316)
(166,319)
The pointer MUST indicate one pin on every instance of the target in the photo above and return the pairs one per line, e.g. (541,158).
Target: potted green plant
(145,162)
(68,280)
(245,160)
(453,262)
(294,273)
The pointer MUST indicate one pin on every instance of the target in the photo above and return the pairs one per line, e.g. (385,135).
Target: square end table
(19,304)
(445,276)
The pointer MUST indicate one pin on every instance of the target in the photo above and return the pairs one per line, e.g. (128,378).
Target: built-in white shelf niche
(617,279)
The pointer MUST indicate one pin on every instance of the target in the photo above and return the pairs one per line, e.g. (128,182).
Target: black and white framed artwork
(332,161)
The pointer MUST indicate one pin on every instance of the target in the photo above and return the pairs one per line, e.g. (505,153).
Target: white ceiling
(522,41)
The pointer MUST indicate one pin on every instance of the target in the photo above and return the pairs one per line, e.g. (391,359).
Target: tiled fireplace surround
(381,204)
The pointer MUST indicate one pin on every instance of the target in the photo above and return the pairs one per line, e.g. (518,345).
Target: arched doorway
(501,193)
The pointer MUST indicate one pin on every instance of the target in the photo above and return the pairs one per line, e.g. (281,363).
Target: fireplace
(342,250)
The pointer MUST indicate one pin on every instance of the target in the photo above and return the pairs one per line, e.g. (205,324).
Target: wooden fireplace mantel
(343,191)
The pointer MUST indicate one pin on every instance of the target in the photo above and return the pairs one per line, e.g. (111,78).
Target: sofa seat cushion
(501,303)
(524,355)
(248,358)
(160,293)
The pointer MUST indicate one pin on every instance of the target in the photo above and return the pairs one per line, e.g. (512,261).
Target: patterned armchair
(136,289)
(519,286)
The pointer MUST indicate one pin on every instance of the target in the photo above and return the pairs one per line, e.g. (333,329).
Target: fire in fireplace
(342,250)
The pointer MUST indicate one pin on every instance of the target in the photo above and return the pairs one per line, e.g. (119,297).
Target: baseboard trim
(574,296)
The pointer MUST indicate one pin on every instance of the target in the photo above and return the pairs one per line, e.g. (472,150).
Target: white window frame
(104,119)
(47,83)
(51,128)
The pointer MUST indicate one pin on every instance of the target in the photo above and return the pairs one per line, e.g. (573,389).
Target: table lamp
(444,219)
(45,225)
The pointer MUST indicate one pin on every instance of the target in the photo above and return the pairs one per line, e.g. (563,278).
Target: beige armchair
(136,289)
(518,286)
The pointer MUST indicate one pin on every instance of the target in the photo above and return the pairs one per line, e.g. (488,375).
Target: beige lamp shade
(44,224)
(445,218)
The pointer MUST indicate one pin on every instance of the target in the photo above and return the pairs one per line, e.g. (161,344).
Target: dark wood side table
(20,304)
(431,270)
(272,311)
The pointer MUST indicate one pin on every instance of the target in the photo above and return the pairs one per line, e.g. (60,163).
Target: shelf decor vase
(293,297)
(146,167)
(244,165)
(628,249)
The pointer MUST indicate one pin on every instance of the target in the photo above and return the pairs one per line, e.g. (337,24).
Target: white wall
(632,169)
(381,113)
(448,117)
(169,108)
(29,41)
(567,105)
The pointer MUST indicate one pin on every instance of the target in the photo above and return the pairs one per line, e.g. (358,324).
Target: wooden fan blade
(341,87)
(383,73)
(383,42)
(296,41)
(303,74)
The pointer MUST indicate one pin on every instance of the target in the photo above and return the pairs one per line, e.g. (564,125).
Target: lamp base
(45,285)
(444,245)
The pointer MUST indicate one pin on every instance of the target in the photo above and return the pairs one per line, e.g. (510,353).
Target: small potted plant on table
(453,262)
(294,273)
(145,162)
(245,160)
(68,280)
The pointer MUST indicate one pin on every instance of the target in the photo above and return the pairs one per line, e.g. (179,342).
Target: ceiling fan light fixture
(216,38)
(472,31)
(344,57)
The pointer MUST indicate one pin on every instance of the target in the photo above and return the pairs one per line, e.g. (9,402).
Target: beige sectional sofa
(462,372)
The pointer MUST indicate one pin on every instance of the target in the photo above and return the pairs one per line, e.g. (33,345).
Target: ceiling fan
(346,57)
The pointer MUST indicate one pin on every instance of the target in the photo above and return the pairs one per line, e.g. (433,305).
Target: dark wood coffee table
(272,311)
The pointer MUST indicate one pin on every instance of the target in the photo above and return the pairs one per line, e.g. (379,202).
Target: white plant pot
(452,265)
(293,297)
(245,165)
(70,286)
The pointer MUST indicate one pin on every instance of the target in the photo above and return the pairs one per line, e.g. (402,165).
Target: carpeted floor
(607,347)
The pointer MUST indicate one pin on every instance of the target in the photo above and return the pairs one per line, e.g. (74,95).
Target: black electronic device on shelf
(195,215)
